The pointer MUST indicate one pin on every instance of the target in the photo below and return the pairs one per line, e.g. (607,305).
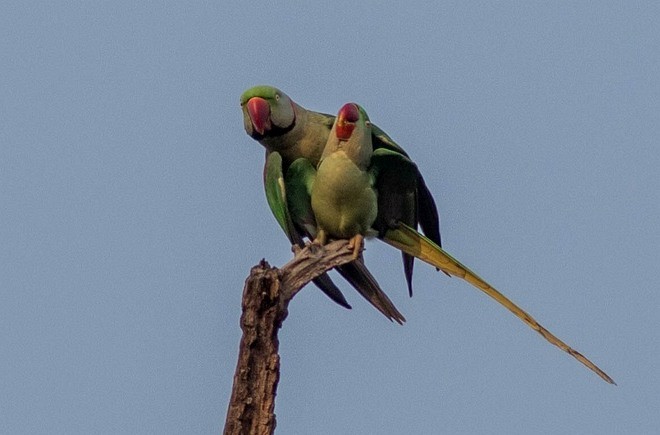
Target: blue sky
(132,211)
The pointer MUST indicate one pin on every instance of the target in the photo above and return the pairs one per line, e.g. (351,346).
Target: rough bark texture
(266,298)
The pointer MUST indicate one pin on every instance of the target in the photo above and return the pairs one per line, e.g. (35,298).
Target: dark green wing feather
(429,219)
(395,180)
(425,213)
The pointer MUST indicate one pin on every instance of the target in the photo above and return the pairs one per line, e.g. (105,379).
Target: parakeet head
(267,111)
(351,135)
(348,117)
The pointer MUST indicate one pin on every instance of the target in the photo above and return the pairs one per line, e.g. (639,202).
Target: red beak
(259,111)
(346,118)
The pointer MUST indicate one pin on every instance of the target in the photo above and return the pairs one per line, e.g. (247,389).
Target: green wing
(408,240)
(298,181)
(276,195)
(427,212)
(422,211)
(395,179)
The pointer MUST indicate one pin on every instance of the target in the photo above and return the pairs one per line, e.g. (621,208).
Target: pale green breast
(343,199)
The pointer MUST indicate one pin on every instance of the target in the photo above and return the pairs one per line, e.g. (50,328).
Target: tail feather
(324,282)
(357,274)
(412,242)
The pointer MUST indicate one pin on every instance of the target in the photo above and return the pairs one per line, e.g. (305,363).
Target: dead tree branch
(266,298)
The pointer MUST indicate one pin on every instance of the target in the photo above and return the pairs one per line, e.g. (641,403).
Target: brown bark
(266,298)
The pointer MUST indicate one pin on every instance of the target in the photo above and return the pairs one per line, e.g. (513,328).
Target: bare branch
(266,298)
(311,262)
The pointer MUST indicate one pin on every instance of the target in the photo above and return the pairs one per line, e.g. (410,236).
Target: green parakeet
(345,201)
(343,196)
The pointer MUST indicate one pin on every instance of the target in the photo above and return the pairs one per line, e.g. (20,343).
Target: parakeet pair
(343,178)
(290,132)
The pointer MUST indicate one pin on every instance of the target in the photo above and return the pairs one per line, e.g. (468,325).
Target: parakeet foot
(321,238)
(356,243)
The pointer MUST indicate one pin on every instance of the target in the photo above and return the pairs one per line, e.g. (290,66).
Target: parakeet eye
(367,123)
(277,97)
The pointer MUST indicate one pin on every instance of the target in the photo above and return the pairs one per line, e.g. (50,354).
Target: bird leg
(321,237)
(356,243)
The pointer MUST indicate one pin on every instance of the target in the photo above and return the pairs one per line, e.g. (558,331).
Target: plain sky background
(132,209)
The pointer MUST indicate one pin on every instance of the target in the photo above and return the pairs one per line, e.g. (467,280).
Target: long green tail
(413,243)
